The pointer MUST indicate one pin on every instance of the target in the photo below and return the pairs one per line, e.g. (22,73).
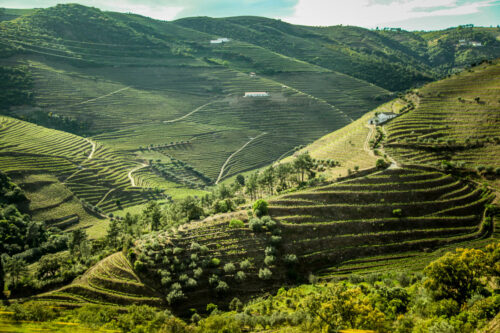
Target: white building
(476,44)
(382,118)
(219,40)
(256,94)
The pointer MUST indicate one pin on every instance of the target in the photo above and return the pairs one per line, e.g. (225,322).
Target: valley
(261,182)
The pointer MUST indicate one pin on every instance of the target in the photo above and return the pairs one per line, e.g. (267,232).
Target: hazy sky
(408,14)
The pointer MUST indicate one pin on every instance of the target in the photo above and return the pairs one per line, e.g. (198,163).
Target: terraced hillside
(371,221)
(112,281)
(149,82)
(456,119)
(64,174)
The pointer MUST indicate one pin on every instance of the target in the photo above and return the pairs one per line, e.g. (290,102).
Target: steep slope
(192,91)
(456,120)
(383,217)
(65,175)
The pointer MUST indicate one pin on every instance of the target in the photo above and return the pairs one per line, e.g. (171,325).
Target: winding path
(93,148)
(103,96)
(233,154)
(366,146)
(132,180)
(105,196)
(187,115)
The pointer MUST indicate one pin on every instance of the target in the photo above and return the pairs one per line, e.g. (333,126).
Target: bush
(222,287)
(240,276)
(176,286)
(275,240)
(234,223)
(381,163)
(270,251)
(213,280)
(245,264)
(256,224)
(183,277)
(214,262)
(175,296)
(265,274)
(290,259)
(198,272)
(269,260)
(191,283)
(397,212)
(229,268)
(260,206)
(236,305)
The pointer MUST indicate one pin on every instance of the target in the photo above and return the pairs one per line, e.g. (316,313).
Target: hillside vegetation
(88,83)
(455,123)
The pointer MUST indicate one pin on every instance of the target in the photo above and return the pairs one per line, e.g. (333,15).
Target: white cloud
(371,13)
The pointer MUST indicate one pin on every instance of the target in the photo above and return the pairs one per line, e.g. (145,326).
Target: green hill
(455,120)
(192,92)
(372,221)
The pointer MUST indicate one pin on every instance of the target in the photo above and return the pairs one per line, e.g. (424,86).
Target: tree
(252,185)
(302,164)
(282,173)
(48,266)
(267,178)
(240,179)
(341,307)
(260,207)
(456,275)
(113,233)
(16,269)
(76,239)
(189,208)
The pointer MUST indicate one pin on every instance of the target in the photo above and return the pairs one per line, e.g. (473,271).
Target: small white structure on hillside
(256,94)
(476,44)
(382,118)
(219,40)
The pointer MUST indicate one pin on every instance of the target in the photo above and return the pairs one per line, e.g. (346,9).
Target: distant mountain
(392,59)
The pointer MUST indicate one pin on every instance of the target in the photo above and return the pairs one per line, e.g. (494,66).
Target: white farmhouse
(219,40)
(382,118)
(256,94)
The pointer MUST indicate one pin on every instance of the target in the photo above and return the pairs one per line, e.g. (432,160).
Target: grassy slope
(324,227)
(444,127)
(55,170)
(73,77)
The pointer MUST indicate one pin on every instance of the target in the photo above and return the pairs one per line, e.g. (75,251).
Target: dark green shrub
(381,163)
(256,224)
(260,206)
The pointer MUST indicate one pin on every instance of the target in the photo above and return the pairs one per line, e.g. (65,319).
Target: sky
(406,14)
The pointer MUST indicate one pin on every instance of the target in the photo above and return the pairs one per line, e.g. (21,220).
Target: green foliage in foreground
(435,301)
